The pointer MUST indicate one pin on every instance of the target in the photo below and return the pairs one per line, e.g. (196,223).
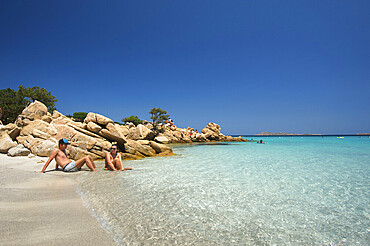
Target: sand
(44,208)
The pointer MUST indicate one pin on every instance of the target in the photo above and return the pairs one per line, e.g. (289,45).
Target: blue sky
(250,66)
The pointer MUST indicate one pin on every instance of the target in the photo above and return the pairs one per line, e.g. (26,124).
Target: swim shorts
(70,167)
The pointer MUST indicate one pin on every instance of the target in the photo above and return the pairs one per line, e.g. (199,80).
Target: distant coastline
(282,134)
(285,134)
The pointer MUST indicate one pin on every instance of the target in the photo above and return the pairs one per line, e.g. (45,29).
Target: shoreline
(44,209)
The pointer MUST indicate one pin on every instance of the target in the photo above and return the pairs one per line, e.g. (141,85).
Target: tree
(158,116)
(12,102)
(79,116)
(134,119)
(40,94)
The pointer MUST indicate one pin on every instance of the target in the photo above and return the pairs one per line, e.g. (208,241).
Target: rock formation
(36,131)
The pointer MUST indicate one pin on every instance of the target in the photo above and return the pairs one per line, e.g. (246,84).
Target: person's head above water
(63,143)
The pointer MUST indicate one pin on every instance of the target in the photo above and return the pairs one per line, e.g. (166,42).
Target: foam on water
(290,191)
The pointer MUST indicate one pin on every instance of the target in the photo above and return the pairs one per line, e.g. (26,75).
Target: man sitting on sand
(65,163)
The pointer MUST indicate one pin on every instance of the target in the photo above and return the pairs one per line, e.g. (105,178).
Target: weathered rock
(19,150)
(140,132)
(47,118)
(61,120)
(56,114)
(35,110)
(143,149)
(130,125)
(112,133)
(212,131)
(76,153)
(200,137)
(95,146)
(143,142)
(38,146)
(97,118)
(161,139)
(165,153)
(91,126)
(83,131)
(90,117)
(39,128)
(12,129)
(159,147)
(64,131)
(177,134)
(21,121)
(6,142)
(128,156)
(148,125)
(123,130)
(102,120)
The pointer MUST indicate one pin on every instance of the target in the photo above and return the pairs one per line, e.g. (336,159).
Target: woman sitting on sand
(113,161)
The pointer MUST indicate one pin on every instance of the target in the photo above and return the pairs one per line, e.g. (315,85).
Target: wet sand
(44,208)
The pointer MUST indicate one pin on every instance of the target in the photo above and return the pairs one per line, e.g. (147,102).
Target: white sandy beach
(44,208)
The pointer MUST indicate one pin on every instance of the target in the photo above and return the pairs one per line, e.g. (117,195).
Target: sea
(310,190)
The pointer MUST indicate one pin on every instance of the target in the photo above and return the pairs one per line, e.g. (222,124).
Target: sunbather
(66,164)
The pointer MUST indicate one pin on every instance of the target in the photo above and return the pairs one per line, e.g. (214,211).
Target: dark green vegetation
(158,116)
(79,116)
(134,119)
(12,102)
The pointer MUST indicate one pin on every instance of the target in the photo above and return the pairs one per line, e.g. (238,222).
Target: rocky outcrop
(19,150)
(35,110)
(212,131)
(6,142)
(38,132)
(97,118)
(140,132)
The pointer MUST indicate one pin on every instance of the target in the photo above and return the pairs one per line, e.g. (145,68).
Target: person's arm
(52,156)
(110,164)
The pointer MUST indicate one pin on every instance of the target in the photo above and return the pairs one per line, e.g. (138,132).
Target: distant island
(284,134)
(363,134)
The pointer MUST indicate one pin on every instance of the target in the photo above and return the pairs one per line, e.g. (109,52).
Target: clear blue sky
(251,66)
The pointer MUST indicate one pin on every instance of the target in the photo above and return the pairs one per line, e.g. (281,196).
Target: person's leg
(118,163)
(82,161)
(91,160)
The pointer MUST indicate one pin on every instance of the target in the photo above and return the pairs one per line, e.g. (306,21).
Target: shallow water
(289,191)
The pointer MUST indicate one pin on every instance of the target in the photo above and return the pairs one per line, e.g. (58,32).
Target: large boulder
(47,118)
(112,133)
(40,129)
(65,131)
(56,114)
(6,142)
(159,147)
(161,139)
(12,129)
(200,137)
(91,126)
(97,118)
(140,132)
(19,150)
(212,131)
(38,146)
(35,110)
(145,150)
(124,130)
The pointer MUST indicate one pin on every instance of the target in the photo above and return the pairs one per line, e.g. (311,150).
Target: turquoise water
(289,191)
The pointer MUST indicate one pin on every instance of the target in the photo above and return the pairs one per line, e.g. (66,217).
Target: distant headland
(284,134)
